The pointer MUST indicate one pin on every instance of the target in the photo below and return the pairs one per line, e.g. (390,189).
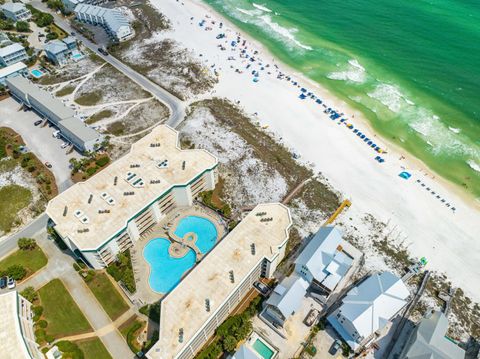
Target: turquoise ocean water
(412,67)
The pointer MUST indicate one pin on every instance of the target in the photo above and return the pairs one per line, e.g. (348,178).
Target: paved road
(36,226)
(176,106)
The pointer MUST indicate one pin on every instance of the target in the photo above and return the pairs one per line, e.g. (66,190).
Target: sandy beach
(432,217)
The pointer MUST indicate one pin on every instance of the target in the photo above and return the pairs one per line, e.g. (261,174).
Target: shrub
(29,294)
(70,350)
(40,334)
(229,343)
(27,244)
(37,312)
(49,338)
(212,351)
(16,271)
(102,161)
(42,324)
(91,171)
(22,26)
(52,36)
(76,266)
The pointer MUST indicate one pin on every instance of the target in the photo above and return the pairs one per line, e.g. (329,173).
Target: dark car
(37,122)
(335,346)
(102,51)
(3,282)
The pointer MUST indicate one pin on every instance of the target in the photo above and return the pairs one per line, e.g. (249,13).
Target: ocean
(411,67)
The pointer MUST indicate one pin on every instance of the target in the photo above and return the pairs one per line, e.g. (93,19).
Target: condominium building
(84,138)
(17,339)
(109,212)
(70,5)
(115,23)
(16,11)
(12,54)
(191,312)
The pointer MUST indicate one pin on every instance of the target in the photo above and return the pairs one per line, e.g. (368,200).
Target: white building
(109,212)
(251,250)
(115,23)
(368,308)
(17,339)
(324,261)
(16,11)
(285,299)
(18,69)
(84,138)
(429,340)
(60,52)
(12,54)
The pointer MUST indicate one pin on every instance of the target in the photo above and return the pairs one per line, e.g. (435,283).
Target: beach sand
(447,238)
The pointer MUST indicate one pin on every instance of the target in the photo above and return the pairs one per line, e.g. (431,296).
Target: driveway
(38,139)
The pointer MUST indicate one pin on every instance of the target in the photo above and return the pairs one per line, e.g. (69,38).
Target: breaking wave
(261,7)
(354,73)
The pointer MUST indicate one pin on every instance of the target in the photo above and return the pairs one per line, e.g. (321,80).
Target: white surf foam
(474,165)
(354,73)
(454,130)
(283,32)
(247,12)
(389,95)
(261,7)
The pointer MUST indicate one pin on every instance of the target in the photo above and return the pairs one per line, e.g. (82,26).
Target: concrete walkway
(60,265)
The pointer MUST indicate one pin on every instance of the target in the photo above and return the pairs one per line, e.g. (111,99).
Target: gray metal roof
(287,296)
(55,47)
(13,7)
(10,49)
(79,129)
(324,259)
(371,304)
(114,19)
(430,341)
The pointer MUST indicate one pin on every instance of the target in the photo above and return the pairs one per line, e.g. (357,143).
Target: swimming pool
(36,73)
(202,227)
(262,349)
(166,271)
(77,57)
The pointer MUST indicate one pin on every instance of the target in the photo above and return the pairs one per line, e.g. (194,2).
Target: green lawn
(93,349)
(13,198)
(130,329)
(107,295)
(63,315)
(32,260)
(89,99)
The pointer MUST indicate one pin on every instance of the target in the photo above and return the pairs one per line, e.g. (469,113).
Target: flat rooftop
(184,307)
(76,212)
(11,341)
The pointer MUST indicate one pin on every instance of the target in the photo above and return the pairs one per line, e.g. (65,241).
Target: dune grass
(13,198)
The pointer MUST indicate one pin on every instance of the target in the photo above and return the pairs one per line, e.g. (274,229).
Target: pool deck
(164,229)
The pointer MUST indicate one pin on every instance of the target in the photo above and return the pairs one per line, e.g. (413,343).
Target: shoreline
(410,161)
(430,217)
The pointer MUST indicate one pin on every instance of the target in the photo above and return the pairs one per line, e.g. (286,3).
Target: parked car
(37,122)
(312,317)
(102,51)
(3,282)
(65,145)
(11,283)
(335,346)
(48,165)
(262,288)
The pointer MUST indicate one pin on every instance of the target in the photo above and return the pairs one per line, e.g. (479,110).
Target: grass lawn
(93,349)
(32,260)
(63,315)
(107,295)
(13,198)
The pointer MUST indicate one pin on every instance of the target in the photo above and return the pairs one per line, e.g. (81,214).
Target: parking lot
(38,140)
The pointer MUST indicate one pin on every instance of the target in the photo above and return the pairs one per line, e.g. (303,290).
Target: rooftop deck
(93,211)
(184,307)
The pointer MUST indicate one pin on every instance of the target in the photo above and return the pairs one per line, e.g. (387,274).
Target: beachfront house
(367,309)
(285,299)
(12,54)
(60,51)
(4,40)
(18,69)
(116,24)
(429,340)
(16,11)
(324,262)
